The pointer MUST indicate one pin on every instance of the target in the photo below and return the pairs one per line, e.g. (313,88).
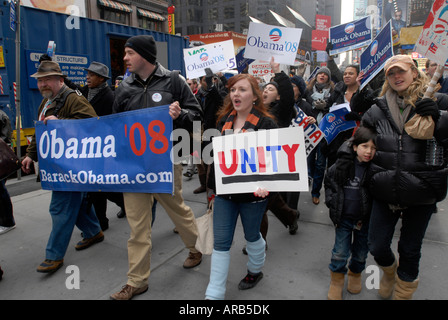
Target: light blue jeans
(68,209)
(225,216)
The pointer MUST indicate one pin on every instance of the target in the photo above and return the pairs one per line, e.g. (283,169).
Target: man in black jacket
(101,97)
(152,85)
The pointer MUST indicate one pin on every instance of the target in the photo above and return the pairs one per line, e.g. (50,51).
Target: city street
(296,265)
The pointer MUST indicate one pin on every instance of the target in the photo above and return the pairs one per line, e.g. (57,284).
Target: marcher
(278,99)
(242,111)
(67,208)
(431,67)
(7,222)
(402,183)
(342,93)
(150,85)
(317,93)
(349,201)
(101,97)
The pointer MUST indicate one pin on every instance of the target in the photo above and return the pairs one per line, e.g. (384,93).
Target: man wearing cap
(148,86)
(67,208)
(101,97)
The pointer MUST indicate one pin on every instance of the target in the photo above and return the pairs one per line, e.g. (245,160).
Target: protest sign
(350,36)
(124,152)
(334,122)
(266,41)
(241,61)
(197,59)
(376,54)
(312,133)
(261,69)
(272,159)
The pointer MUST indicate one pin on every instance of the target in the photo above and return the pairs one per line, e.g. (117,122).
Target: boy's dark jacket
(334,191)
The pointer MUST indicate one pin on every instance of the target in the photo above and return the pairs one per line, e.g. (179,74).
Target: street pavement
(296,266)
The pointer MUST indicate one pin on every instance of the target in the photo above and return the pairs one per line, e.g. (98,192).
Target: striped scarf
(251,121)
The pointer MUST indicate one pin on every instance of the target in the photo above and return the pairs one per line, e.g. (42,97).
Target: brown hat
(48,68)
(402,61)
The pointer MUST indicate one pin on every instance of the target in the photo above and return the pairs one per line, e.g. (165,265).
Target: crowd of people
(372,175)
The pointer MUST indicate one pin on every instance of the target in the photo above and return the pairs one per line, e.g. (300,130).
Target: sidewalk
(296,265)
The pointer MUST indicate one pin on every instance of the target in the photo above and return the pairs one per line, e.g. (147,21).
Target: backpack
(175,85)
(61,100)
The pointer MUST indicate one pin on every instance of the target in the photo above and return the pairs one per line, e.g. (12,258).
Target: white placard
(272,159)
(197,59)
(265,41)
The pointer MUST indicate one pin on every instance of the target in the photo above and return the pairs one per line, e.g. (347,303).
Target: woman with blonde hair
(402,183)
(243,110)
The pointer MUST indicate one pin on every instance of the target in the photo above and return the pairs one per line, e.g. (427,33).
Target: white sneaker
(6,229)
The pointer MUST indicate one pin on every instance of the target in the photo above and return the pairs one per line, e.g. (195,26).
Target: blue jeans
(415,221)
(68,209)
(344,247)
(317,163)
(225,216)
(6,215)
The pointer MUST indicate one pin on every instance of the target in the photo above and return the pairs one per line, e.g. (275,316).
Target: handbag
(9,162)
(204,242)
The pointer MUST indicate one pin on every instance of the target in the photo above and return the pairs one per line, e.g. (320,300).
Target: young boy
(347,197)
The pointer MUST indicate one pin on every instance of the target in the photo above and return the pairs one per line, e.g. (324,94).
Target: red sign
(319,40)
(323,22)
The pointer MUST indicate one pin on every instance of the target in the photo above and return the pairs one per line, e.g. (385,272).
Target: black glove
(329,47)
(320,104)
(209,78)
(352,116)
(45,57)
(427,107)
(343,169)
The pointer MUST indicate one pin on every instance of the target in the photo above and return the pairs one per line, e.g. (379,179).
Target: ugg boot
(354,284)
(404,289)
(336,286)
(387,282)
(219,271)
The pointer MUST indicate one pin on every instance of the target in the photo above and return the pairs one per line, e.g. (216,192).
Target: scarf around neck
(251,122)
(399,111)
(94,91)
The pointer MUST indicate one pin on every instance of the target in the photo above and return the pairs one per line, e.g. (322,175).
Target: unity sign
(271,159)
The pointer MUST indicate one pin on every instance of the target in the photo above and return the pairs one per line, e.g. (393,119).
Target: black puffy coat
(398,173)
(334,193)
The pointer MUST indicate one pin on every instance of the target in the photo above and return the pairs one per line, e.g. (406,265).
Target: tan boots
(391,284)
(354,284)
(336,286)
(387,282)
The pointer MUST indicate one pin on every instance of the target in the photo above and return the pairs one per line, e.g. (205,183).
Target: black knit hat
(145,46)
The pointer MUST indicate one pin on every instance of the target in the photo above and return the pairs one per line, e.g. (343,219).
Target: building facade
(146,14)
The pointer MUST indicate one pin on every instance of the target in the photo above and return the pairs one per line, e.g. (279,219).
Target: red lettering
(290,151)
(261,159)
(222,162)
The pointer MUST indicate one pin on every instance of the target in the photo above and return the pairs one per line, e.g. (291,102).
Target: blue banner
(334,122)
(376,54)
(350,36)
(123,152)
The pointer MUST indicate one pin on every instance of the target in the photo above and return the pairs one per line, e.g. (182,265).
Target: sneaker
(49,266)
(6,229)
(121,214)
(188,174)
(128,292)
(85,243)
(250,281)
(193,260)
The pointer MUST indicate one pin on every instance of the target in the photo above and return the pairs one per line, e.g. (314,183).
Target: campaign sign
(433,41)
(334,122)
(197,59)
(123,152)
(272,159)
(376,54)
(350,36)
(241,61)
(312,133)
(265,41)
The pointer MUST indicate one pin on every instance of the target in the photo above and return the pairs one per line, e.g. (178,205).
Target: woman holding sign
(243,110)
(404,181)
